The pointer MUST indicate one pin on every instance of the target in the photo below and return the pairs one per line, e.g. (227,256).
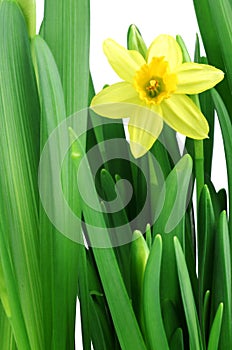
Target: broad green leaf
(7,341)
(213,18)
(119,304)
(113,193)
(195,339)
(66,30)
(226,128)
(221,290)
(59,256)
(216,329)
(221,15)
(171,222)
(19,144)
(154,329)
(160,151)
(206,238)
(29,10)
(120,307)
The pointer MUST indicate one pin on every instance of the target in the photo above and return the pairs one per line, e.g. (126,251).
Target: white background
(110,18)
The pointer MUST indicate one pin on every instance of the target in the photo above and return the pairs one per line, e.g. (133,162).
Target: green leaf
(177,341)
(172,207)
(188,300)
(216,329)
(174,195)
(154,329)
(222,277)
(226,128)
(221,15)
(120,307)
(19,144)
(139,253)
(170,318)
(213,18)
(7,341)
(148,236)
(3,293)
(206,238)
(69,43)
(66,30)
(207,109)
(98,333)
(119,304)
(59,256)
(206,316)
(102,330)
(29,10)
(186,56)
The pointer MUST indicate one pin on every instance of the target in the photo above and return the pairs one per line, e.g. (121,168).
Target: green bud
(135,40)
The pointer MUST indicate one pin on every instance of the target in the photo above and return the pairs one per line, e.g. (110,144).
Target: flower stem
(198,144)
(199,166)
(199,158)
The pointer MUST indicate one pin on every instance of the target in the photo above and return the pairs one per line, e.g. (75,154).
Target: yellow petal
(182,115)
(124,62)
(145,126)
(116,101)
(194,78)
(166,46)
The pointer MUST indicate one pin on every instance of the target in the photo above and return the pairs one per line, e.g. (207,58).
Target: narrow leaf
(221,291)
(216,329)
(154,328)
(188,300)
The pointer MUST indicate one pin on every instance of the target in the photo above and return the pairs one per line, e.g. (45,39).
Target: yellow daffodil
(154,90)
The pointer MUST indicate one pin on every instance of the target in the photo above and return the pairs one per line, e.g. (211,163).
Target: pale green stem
(199,166)
(199,158)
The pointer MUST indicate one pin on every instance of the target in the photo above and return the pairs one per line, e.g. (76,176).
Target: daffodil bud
(135,40)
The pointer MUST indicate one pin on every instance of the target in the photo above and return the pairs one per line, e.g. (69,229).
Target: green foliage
(144,293)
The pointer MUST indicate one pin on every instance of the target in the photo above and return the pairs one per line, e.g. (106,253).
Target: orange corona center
(154,82)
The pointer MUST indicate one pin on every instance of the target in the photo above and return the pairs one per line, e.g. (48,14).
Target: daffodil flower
(154,91)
